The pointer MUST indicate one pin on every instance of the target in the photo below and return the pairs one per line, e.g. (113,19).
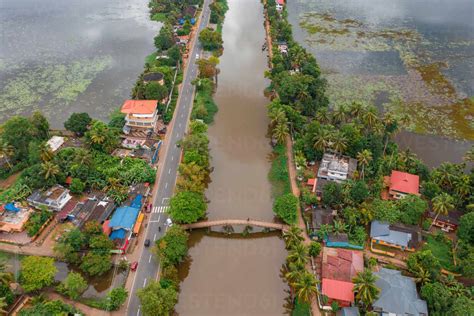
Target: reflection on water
(237,276)
(418,54)
(71,56)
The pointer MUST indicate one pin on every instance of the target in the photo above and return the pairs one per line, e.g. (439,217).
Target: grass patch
(278,175)
(442,250)
(151,59)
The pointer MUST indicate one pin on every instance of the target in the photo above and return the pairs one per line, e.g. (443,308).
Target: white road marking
(154,237)
(169,171)
(144,282)
(179,125)
(149,260)
(138,312)
(177,134)
(164,200)
(159,216)
(166,185)
(172,158)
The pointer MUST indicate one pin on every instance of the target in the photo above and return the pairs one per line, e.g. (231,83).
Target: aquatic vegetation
(50,85)
(424,91)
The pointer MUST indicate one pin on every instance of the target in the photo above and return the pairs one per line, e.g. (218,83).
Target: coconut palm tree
(280,132)
(462,185)
(5,277)
(114,184)
(49,169)
(277,116)
(422,276)
(339,114)
(322,139)
(356,109)
(322,115)
(364,157)
(293,236)
(364,288)
(98,134)
(366,214)
(306,287)
(82,157)
(370,117)
(443,203)
(298,254)
(45,152)
(294,272)
(6,151)
(324,230)
(339,143)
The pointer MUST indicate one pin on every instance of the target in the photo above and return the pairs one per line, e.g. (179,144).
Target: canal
(61,57)
(238,276)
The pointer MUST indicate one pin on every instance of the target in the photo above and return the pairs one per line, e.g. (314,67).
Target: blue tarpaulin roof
(124,217)
(137,202)
(118,234)
(11,207)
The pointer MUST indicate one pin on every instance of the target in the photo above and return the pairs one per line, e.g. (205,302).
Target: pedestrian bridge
(232,222)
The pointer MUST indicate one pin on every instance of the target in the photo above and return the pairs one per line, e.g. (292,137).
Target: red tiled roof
(70,205)
(311,182)
(139,106)
(281,2)
(404,182)
(341,264)
(338,290)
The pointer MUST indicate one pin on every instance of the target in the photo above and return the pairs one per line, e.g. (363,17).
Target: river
(408,57)
(61,57)
(238,276)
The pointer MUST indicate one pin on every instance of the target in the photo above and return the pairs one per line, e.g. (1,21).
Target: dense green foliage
(172,248)
(278,175)
(78,123)
(42,307)
(91,240)
(36,273)
(37,220)
(187,207)
(210,40)
(157,300)
(73,285)
(286,208)
(204,107)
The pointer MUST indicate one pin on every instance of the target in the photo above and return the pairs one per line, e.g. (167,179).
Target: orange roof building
(402,184)
(140,113)
(339,291)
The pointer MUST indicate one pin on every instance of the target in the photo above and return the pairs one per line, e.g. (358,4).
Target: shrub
(286,208)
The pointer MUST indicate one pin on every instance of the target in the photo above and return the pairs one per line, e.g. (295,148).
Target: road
(148,266)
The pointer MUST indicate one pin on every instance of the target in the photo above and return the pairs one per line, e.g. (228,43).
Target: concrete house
(334,167)
(141,114)
(403,237)
(54,198)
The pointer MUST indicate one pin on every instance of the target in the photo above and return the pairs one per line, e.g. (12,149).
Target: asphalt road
(148,266)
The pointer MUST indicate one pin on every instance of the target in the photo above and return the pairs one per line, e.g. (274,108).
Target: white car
(197,56)
(168,222)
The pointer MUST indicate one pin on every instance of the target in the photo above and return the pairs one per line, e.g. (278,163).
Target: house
(403,237)
(54,198)
(339,267)
(321,216)
(282,47)
(140,114)
(182,39)
(448,222)
(400,184)
(157,77)
(55,143)
(13,217)
(334,167)
(348,311)
(334,240)
(123,220)
(398,295)
(280,4)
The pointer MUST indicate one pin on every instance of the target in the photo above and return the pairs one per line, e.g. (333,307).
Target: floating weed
(51,85)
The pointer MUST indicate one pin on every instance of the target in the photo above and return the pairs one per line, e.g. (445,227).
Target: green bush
(286,208)
(37,220)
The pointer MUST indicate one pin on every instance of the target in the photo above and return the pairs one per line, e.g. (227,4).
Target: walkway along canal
(238,276)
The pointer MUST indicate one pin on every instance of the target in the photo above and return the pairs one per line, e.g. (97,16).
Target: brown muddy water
(238,276)
(70,56)
(418,54)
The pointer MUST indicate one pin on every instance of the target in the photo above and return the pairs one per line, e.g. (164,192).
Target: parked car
(147,243)
(134,266)
(169,222)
